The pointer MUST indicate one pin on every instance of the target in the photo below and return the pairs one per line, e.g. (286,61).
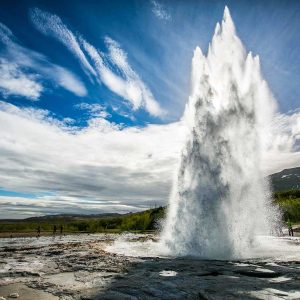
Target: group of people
(61,228)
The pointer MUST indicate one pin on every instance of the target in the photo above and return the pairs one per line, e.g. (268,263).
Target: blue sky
(72,65)
(159,49)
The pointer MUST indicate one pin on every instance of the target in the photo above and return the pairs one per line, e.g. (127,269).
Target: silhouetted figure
(61,229)
(54,229)
(38,231)
(290,227)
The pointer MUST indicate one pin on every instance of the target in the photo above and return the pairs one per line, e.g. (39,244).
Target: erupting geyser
(220,200)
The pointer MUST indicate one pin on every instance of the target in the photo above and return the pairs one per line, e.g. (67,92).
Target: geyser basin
(220,206)
(220,201)
(265,248)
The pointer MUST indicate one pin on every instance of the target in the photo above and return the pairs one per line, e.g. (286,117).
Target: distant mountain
(287,179)
(63,217)
(73,216)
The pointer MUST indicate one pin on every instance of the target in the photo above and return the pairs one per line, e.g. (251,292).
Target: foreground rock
(79,268)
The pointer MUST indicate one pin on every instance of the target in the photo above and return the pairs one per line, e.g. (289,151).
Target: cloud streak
(24,72)
(159,11)
(135,87)
(111,69)
(52,25)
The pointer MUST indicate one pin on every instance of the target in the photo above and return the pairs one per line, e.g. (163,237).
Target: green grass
(289,202)
(138,222)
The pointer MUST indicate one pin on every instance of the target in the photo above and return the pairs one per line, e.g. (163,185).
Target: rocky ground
(78,267)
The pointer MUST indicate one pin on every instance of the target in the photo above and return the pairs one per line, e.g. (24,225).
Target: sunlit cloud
(15,82)
(136,89)
(283,151)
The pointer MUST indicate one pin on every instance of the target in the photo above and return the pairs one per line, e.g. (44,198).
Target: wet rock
(14,295)
(212,273)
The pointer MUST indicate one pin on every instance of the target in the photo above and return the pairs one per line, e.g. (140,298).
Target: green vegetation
(289,202)
(141,221)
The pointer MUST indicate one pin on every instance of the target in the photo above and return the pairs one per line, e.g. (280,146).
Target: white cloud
(159,11)
(13,81)
(22,207)
(65,79)
(52,25)
(103,166)
(128,85)
(21,59)
(103,161)
(93,109)
(137,91)
(283,150)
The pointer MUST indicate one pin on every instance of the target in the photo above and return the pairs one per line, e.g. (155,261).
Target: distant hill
(138,221)
(73,216)
(287,179)
(62,218)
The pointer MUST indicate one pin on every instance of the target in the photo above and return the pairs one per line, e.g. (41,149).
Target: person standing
(38,231)
(290,227)
(54,229)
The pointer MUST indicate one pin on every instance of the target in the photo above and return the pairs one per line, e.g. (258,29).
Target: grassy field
(139,222)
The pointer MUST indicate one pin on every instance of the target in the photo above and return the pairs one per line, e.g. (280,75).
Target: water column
(220,200)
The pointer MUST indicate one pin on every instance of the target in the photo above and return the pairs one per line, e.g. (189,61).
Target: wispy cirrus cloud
(136,89)
(112,69)
(52,25)
(24,72)
(159,11)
